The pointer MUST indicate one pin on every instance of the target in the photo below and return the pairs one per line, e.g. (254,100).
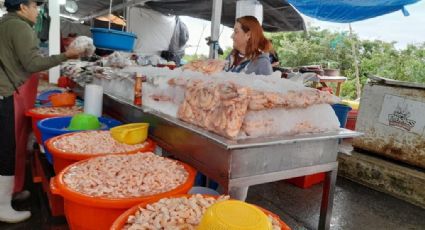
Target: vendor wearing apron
(250,48)
(18,59)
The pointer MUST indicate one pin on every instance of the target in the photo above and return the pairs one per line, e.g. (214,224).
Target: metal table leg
(327,199)
(239,193)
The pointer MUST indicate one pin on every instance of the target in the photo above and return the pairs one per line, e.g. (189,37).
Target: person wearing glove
(19,58)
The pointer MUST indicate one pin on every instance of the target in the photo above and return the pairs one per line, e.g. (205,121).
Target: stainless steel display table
(238,164)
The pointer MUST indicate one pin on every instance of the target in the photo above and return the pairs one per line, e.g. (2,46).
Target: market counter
(238,164)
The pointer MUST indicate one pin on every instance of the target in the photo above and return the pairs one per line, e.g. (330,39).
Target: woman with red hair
(250,48)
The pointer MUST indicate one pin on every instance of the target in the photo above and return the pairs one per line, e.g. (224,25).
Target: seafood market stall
(238,164)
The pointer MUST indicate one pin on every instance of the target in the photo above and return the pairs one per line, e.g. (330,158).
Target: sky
(390,27)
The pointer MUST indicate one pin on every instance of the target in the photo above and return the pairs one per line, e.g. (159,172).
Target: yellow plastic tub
(130,134)
(353,104)
(234,215)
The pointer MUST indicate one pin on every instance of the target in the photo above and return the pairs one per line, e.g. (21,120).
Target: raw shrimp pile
(218,107)
(94,142)
(209,66)
(290,100)
(235,109)
(176,214)
(125,176)
(62,111)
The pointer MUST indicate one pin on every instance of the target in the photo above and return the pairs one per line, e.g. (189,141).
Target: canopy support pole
(215,27)
(54,38)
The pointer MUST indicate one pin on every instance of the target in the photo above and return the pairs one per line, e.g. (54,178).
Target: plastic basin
(84,212)
(63,159)
(56,126)
(353,104)
(131,133)
(44,96)
(307,181)
(341,112)
(84,121)
(63,99)
(352,120)
(234,215)
(113,39)
(203,191)
(120,222)
(35,118)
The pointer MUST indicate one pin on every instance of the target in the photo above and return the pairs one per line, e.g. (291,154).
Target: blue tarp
(346,11)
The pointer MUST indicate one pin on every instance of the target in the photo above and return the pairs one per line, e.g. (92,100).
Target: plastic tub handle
(53,186)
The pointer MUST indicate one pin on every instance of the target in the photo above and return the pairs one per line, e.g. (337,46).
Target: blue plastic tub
(341,112)
(113,39)
(203,191)
(201,180)
(44,96)
(55,126)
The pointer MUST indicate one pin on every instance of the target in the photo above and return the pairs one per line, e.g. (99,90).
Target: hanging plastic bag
(83,43)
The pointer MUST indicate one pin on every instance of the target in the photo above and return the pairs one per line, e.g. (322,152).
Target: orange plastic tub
(62,159)
(84,212)
(35,117)
(63,99)
(119,223)
(283,225)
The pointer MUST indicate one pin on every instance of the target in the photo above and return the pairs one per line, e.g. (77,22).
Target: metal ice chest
(392,118)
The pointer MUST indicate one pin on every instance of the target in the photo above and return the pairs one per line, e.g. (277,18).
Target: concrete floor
(355,207)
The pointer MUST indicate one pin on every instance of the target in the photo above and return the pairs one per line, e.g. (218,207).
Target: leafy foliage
(189,58)
(334,50)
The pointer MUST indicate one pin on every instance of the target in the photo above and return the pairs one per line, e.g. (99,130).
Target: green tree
(332,49)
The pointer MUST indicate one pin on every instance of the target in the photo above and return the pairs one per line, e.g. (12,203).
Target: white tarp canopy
(279,15)
(150,40)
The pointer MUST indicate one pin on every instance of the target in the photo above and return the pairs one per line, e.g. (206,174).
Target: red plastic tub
(84,212)
(62,159)
(35,117)
(351,120)
(307,181)
(119,223)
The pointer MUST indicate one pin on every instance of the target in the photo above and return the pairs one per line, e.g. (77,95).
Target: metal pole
(215,27)
(327,200)
(54,38)
(356,63)
(110,15)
